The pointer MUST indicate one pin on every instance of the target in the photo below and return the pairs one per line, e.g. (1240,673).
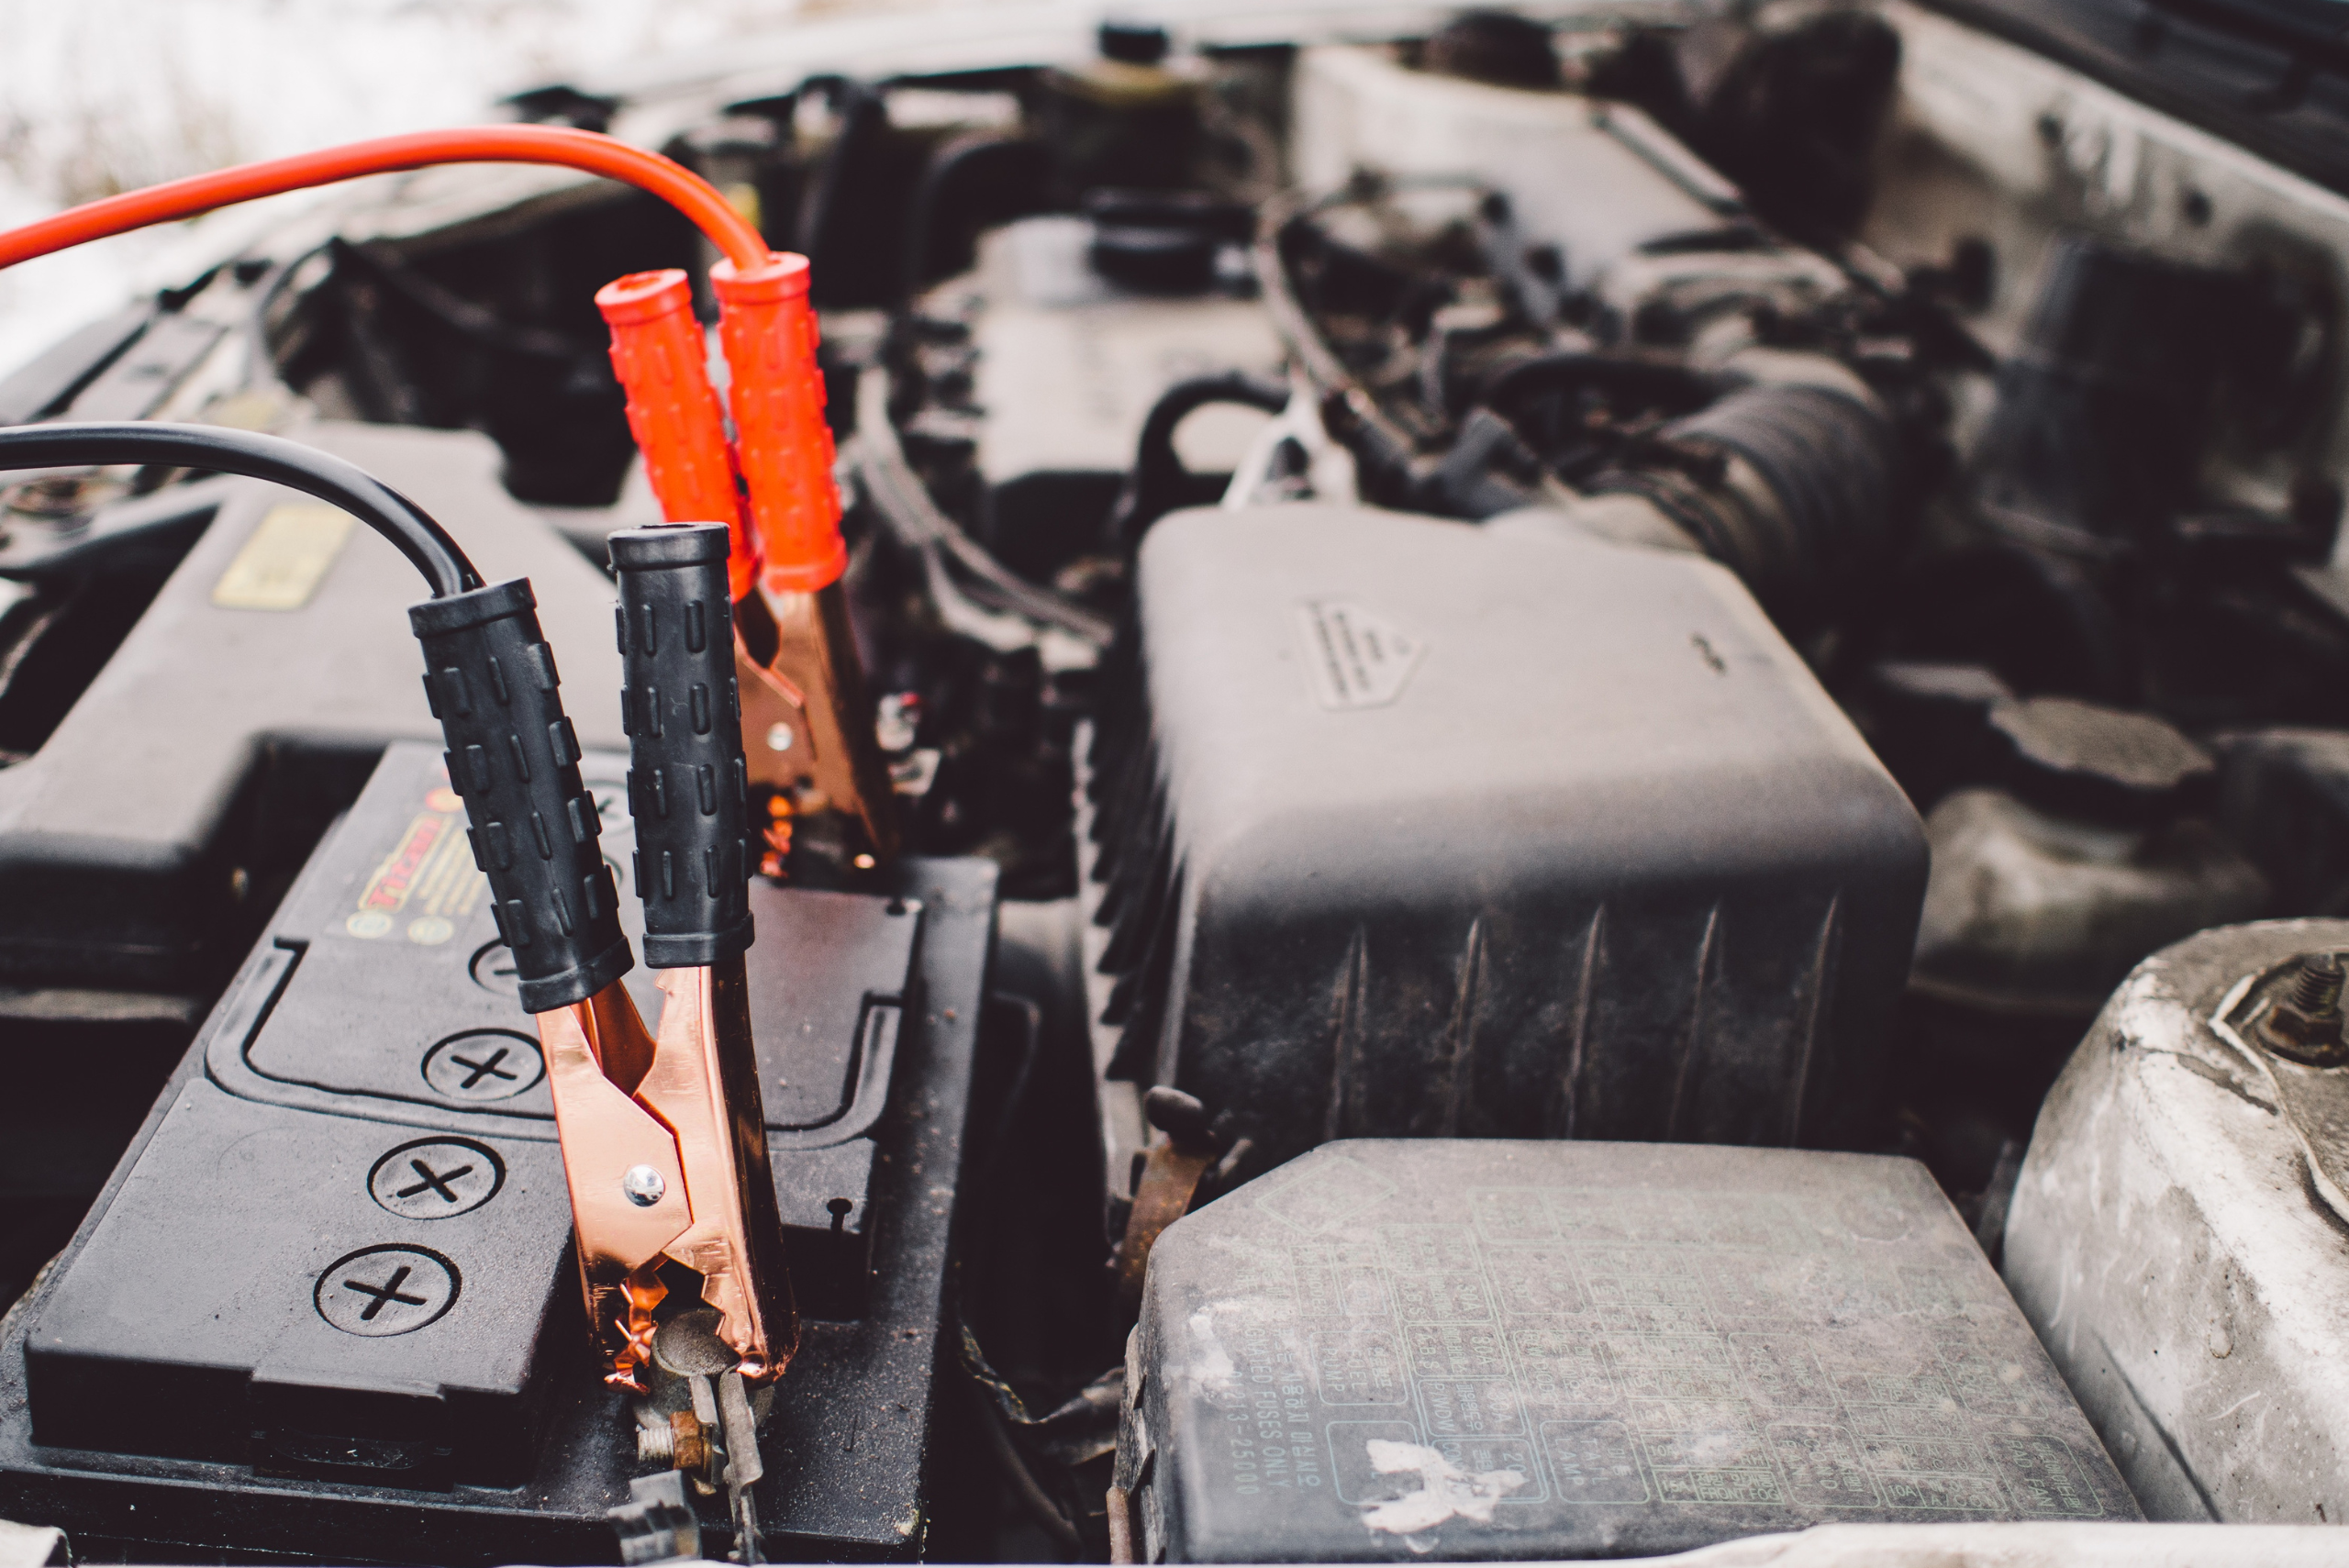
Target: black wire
(216,450)
(1158,482)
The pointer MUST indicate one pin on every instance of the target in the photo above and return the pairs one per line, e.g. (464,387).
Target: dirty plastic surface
(1518,1349)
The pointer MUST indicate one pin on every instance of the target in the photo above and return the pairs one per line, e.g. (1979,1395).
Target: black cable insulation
(213,450)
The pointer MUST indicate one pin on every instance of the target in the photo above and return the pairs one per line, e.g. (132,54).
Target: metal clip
(665,1149)
(806,722)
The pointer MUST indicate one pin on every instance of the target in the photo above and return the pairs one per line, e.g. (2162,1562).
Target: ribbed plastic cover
(1414,827)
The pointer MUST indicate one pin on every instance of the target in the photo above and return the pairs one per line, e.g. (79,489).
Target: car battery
(1529,1351)
(159,794)
(327,1305)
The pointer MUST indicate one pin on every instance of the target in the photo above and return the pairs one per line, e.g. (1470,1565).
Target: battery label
(427,884)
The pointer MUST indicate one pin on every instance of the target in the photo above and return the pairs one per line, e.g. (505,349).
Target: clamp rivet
(643,1186)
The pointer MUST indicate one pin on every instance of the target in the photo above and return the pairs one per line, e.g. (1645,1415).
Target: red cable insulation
(585,150)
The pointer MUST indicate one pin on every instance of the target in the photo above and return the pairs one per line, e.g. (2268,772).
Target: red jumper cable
(805,723)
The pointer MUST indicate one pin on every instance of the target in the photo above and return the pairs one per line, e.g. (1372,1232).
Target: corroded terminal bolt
(2305,1024)
(681,1442)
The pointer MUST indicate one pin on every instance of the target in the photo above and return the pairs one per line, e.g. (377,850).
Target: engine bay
(1606,807)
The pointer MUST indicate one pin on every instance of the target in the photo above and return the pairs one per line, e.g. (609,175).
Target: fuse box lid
(1536,1351)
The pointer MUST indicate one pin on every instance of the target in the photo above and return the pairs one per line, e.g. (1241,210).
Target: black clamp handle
(687,786)
(513,756)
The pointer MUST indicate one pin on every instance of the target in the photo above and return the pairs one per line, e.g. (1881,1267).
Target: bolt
(657,1445)
(643,1186)
(2316,991)
(2305,1023)
(779,737)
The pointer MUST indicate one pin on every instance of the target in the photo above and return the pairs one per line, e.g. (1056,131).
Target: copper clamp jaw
(807,724)
(664,1150)
(663,1135)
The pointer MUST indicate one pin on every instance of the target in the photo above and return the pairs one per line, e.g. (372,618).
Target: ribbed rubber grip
(688,787)
(785,448)
(660,356)
(491,680)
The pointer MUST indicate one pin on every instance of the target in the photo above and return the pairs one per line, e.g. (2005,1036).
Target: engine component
(2039,904)
(1626,330)
(2104,414)
(2075,756)
(1130,117)
(1410,828)
(1595,180)
(1537,1350)
(334,1266)
(2176,1233)
(1791,487)
(2284,799)
(1789,102)
(1052,366)
(2031,912)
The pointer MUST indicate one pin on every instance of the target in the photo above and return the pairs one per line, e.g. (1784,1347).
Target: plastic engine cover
(2172,1241)
(1542,1350)
(1411,828)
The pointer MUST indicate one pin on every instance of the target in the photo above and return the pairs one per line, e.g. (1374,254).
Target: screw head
(778,738)
(643,1186)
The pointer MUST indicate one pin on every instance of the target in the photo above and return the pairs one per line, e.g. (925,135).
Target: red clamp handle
(785,448)
(658,352)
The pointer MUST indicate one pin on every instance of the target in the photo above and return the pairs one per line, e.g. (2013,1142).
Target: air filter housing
(1412,827)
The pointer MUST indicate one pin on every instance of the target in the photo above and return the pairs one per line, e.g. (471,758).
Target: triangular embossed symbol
(1353,656)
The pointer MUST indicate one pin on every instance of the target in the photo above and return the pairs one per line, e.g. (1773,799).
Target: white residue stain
(1446,1491)
(1213,1369)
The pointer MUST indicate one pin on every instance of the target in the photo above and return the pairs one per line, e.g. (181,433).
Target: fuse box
(1539,1351)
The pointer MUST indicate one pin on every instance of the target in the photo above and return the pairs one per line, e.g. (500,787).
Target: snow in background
(106,96)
